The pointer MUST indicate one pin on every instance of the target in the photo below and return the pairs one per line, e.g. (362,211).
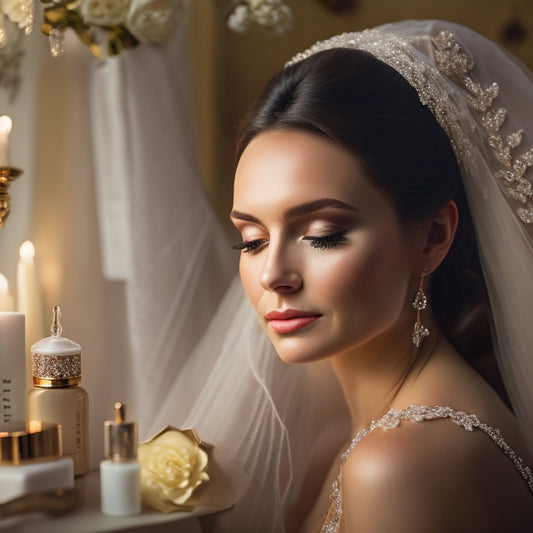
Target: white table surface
(87,518)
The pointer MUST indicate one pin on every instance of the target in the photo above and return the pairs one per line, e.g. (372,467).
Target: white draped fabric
(158,231)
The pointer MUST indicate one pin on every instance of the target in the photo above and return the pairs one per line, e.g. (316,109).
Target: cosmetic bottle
(31,461)
(120,472)
(57,396)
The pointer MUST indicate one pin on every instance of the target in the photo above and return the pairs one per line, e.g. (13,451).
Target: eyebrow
(300,210)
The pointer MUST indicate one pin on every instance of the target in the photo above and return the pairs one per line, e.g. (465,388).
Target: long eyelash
(248,246)
(327,241)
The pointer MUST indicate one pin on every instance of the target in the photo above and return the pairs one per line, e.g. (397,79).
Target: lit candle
(12,369)
(5,129)
(6,300)
(29,300)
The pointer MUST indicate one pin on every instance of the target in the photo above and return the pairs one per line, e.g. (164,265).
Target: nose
(280,272)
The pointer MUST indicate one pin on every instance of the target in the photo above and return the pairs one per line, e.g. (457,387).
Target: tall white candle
(29,300)
(12,368)
(5,128)
(6,300)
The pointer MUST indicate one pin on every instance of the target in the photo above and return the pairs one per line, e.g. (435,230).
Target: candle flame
(5,124)
(27,250)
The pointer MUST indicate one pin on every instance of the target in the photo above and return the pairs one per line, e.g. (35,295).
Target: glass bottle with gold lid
(56,395)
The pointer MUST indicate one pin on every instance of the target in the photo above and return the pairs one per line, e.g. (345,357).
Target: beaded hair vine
(426,79)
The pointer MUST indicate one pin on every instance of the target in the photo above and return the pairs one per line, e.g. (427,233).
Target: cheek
(372,279)
(250,280)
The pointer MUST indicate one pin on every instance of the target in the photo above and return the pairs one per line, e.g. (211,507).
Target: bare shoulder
(433,477)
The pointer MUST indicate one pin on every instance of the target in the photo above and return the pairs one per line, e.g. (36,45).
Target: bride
(383,200)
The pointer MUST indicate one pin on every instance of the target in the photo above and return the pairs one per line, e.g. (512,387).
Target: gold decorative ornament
(7,175)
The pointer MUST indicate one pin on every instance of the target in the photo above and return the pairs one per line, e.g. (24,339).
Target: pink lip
(290,320)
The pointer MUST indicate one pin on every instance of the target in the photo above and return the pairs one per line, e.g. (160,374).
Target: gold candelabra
(7,175)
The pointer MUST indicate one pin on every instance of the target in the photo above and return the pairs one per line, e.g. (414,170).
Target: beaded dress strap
(419,413)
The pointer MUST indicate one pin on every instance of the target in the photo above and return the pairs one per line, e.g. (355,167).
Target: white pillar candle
(12,368)
(6,300)
(5,129)
(29,300)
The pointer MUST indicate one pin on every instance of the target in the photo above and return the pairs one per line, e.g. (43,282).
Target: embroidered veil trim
(403,56)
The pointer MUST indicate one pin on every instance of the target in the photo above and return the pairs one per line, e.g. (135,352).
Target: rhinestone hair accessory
(420,413)
(403,55)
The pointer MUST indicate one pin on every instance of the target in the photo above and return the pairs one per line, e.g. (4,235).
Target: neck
(372,376)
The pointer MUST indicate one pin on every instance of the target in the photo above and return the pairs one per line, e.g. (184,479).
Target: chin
(297,355)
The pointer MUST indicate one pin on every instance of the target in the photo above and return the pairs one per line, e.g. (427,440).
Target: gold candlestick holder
(7,175)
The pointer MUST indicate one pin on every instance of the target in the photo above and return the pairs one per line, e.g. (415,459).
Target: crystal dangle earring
(420,303)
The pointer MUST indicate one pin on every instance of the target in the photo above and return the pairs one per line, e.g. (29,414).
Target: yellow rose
(172,466)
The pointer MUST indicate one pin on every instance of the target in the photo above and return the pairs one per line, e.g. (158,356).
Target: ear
(439,234)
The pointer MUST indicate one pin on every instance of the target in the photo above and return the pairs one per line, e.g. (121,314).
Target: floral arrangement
(173,466)
(106,26)
(109,26)
(273,15)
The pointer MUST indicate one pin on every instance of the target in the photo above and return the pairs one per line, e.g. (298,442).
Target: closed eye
(249,246)
(325,242)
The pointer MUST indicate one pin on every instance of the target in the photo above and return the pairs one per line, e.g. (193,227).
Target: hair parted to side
(359,102)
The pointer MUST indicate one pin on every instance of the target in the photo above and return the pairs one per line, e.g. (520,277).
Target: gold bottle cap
(31,441)
(56,360)
(120,438)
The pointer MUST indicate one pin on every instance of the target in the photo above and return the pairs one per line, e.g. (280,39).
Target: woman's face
(324,260)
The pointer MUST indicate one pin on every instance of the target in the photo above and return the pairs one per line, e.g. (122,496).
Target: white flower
(18,11)
(154,21)
(271,14)
(172,467)
(239,20)
(105,12)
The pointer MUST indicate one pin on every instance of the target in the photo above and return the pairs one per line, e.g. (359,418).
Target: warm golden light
(5,125)
(34,426)
(27,250)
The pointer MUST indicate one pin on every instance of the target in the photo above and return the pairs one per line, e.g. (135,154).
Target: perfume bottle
(120,472)
(57,396)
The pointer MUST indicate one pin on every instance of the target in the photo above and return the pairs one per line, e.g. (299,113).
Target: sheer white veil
(269,418)
(483,98)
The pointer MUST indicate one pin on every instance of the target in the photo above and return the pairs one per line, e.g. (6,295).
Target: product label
(7,400)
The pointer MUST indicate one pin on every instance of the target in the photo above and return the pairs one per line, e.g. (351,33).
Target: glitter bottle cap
(56,360)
